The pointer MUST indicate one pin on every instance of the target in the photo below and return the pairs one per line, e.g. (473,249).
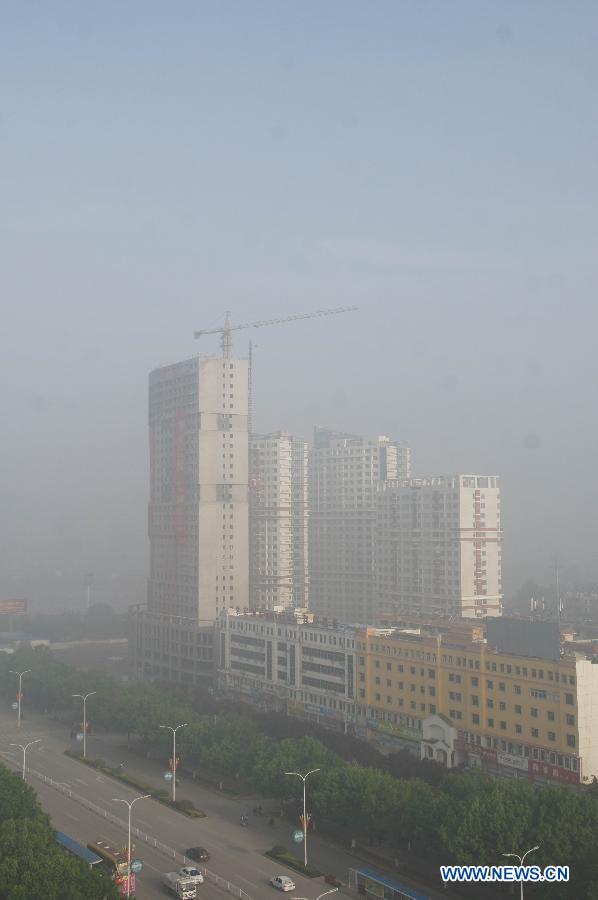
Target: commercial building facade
(278,539)
(462,701)
(290,662)
(346,472)
(171,648)
(438,546)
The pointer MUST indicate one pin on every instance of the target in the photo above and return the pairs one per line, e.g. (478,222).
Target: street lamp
(84,698)
(24,749)
(20,676)
(521,858)
(331,891)
(174,731)
(130,805)
(304,779)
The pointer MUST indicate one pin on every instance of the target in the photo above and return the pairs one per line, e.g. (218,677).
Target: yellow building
(472,700)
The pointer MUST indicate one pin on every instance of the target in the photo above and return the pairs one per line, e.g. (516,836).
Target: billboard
(13,607)
(524,638)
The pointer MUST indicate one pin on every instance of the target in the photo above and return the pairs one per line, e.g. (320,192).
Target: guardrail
(142,835)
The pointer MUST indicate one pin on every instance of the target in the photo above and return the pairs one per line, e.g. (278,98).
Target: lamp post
(521,858)
(20,677)
(331,891)
(84,698)
(174,731)
(24,749)
(304,779)
(130,805)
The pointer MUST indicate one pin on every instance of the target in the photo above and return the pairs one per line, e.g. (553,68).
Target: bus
(114,864)
(71,846)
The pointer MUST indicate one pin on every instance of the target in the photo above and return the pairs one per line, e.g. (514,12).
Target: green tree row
(31,862)
(466,818)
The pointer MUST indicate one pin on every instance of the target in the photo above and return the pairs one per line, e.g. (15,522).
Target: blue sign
(167,776)
(298,836)
(136,866)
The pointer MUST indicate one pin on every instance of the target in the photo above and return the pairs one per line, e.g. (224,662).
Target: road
(236,853)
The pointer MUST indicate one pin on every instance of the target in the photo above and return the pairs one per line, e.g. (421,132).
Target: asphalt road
(237,853)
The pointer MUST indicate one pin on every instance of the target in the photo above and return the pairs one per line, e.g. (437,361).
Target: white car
(192,873)
(283,883)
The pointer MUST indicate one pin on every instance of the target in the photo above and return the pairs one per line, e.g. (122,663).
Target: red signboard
(13,607)
(552,773)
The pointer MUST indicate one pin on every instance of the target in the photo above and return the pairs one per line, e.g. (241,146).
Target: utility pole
(24,748)
(20,677)
(174,759)
(84,698)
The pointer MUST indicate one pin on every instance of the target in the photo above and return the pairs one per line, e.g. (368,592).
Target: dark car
(199,854)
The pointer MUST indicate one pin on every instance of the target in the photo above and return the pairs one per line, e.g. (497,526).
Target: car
(199,854)
(282,882)
(192,873)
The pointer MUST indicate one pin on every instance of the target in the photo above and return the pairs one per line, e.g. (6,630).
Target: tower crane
(227,328)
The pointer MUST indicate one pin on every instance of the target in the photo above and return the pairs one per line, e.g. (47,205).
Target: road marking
(100,779)
(71,816)
(246,880)
(80,780)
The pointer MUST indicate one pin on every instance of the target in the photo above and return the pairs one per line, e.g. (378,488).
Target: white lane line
(80,780)
(247,881)
(71,816)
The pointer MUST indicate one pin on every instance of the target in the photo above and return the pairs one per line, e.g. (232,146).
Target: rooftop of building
(298,616)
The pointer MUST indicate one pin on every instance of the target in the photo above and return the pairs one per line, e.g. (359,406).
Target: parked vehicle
(192,873)
(282,882)
(199,854)
(183,888)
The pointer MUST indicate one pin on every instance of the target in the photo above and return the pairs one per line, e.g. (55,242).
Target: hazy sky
(435,163)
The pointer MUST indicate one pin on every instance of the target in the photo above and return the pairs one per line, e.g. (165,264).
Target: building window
(517,688)
(535,732)
(475,719)
(570,719)
(518,729)
(550,716)
(534,712)
(570,740)
(551,736)
(569,699)
(517,709)
(503,726)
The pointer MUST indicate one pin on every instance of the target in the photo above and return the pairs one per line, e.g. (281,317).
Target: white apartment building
(198,509)
(278,500)
(438,546)
(345,474)
(291,662)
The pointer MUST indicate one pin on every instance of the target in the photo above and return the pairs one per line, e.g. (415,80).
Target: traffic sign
(136,866)
(298,836)
(80,736)
(15,705)
(167,776)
